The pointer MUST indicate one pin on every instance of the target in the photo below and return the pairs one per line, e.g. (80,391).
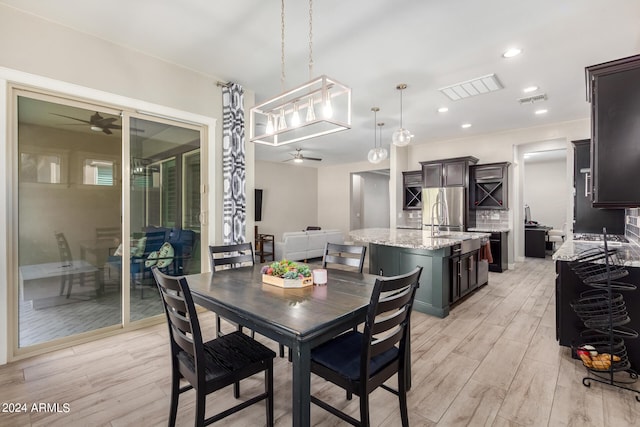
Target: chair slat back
(108,233)
(349,255)
(184,328)
(388,316)
(231,256)
(63,248)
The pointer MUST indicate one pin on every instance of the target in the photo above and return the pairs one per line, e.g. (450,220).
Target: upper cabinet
(489,186)
(614,92)
(447,173)
(412,190)
(587,219)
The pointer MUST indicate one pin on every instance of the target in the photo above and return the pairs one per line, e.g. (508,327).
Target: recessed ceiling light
(466,125)
(510,53)
(543,111)
(443,110)
(530,89)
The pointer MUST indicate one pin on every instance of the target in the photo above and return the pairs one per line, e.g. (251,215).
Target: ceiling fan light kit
(278,121)
(401,136)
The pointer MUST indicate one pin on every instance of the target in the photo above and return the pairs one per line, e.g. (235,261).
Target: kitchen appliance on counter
(443,209)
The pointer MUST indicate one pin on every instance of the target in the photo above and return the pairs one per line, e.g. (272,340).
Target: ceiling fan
(299,158)
(96,122)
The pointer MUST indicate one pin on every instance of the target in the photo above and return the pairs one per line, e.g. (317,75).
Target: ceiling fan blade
(312,158)
(72,118)
(106,130)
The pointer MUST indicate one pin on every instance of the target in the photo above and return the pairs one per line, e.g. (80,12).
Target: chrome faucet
(441,216)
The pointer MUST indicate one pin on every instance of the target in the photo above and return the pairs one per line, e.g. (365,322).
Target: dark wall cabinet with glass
(412,190)
(447,173)
(614,93)
(489,186)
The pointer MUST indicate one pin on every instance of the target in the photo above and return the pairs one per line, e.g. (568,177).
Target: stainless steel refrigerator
(444,208)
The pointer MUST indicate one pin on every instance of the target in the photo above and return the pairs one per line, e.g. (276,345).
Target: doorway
(370,199)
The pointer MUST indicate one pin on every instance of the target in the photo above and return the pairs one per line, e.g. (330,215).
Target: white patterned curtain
(233,165)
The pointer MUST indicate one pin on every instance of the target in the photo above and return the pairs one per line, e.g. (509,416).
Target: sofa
(303,245)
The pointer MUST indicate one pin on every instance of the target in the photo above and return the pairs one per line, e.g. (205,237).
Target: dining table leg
(301,385)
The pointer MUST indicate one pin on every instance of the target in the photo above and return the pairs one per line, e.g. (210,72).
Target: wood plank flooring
(493,362)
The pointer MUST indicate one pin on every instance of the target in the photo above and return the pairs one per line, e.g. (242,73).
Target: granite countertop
(628,253)
(413,239)
(491,229)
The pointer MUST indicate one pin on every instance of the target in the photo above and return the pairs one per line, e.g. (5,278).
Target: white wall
(44,55)
(545,191)
(289,197)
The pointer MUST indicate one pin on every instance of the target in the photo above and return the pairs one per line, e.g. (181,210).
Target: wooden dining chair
(208,366)
(347,255)
(360,362)
(230,256)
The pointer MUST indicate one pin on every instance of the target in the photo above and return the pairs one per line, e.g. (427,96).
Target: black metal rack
(603,312)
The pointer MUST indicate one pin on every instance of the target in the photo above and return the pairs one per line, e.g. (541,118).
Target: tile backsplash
(412,219)
(491,219)
(632,225)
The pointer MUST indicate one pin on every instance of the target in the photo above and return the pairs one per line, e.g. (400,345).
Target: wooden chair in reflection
(67,266)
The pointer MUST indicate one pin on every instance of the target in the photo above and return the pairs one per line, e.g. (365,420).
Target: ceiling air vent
(533,98)
(473,87)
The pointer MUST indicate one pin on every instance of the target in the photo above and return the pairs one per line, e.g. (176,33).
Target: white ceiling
(372,45)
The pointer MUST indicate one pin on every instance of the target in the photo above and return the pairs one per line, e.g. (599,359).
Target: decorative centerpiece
(287,274)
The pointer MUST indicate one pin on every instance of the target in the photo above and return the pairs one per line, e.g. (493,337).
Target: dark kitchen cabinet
(499,246)
(586,218)
(412,190)
(569,287)
(614,92)
(464,275)
(447,172)
(489,186)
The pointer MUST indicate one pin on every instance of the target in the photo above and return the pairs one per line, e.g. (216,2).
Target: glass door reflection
(165,159)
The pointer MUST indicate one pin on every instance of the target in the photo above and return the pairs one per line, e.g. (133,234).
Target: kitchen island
(450,262)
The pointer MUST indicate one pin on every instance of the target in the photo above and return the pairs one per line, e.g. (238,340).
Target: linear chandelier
(319,107)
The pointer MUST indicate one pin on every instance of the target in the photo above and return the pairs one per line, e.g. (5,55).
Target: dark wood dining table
(299,318)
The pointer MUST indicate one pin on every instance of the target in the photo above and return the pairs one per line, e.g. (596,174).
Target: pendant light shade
(373,155)
(376,154)
(402,136)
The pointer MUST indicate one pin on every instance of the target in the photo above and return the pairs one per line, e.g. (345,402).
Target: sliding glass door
(164,207)
(102,196)
(69,217)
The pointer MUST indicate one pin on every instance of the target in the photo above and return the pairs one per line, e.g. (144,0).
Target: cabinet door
(454,286)
(412,190)
(587,219)
(488,173)
(432,175)
(464,267)
(455,174)
(615,138)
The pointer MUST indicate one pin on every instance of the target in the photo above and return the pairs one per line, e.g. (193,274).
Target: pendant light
(279,120)
(401,136)
(377,154)
(373,155)
(382,152)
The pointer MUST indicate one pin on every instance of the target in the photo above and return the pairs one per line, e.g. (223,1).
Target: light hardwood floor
(493,361)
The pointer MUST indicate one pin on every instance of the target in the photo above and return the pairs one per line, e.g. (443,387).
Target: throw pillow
(138,249)
(165,255)
(152,259)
